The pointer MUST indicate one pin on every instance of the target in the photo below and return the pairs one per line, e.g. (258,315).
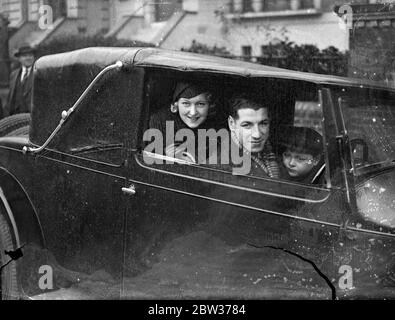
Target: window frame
(187,168)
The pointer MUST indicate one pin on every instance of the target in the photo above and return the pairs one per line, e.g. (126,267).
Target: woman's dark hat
(188,90)
(24,49)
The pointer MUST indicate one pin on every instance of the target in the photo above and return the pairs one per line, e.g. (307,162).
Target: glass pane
(370,121)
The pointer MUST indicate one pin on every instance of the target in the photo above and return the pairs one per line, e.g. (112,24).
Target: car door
(81,204)
(198,231)
(367,247)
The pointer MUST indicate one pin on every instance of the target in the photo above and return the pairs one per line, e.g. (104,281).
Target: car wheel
(19,132)
(14,122)
(9,283)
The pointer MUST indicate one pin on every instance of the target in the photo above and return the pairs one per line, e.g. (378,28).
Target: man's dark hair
(241,102)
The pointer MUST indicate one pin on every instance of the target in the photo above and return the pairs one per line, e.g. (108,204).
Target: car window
(290,103)
(369,117)
(308,114)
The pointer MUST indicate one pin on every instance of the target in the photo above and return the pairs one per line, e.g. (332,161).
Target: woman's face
(193,111)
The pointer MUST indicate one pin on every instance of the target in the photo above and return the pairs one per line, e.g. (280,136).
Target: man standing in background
(21,81)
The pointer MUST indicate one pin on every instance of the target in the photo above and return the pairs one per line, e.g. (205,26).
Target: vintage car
(85,213)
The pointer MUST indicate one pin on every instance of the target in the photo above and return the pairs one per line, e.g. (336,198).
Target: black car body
(89,211)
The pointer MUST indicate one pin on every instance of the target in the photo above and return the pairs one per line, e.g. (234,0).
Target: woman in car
(192,108)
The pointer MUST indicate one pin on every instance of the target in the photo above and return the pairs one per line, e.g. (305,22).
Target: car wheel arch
(20,210)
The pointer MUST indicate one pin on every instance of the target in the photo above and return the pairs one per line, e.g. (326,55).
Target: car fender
(10,217)
(21,212)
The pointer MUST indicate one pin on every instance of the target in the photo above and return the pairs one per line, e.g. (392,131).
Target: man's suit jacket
(15,80)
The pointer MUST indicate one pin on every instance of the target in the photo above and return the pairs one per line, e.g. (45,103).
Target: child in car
(302,155)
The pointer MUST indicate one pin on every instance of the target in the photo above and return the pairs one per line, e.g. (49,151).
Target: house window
(247,5)
(32,7)
(306,4)
(72,9)
(246,51)
(59,8)
(277,5)
(257,6)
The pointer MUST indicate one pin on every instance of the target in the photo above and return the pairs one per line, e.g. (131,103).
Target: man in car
(249,125)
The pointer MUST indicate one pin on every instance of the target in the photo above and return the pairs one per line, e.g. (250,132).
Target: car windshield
(369,116)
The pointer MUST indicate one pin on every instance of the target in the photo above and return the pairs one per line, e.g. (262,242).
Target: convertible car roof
(99,57)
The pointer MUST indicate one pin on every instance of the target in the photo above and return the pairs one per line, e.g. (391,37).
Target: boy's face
(298,164)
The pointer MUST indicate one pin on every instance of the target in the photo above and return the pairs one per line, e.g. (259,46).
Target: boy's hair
(242,102)
(302,140)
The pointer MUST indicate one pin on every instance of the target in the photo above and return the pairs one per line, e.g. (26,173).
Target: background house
(29,25)
(244,26)
(125,19)
(144,20)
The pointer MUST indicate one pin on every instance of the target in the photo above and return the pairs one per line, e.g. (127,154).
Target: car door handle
(130,190)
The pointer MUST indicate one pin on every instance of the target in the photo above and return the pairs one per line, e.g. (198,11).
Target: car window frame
(352,181)
(145,173)
(144,123)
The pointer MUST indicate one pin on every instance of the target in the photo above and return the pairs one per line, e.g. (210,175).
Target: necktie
(25,73)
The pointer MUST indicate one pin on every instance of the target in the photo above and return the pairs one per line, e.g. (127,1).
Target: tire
(19,132)
(11,123)
(9,283)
